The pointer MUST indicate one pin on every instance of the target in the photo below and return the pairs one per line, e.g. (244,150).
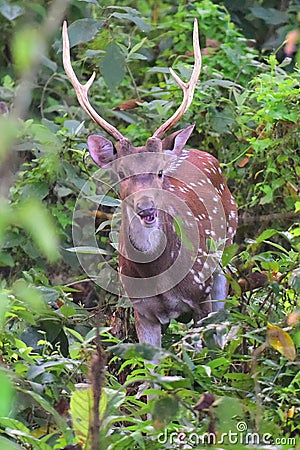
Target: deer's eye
(160,173)
(121,174)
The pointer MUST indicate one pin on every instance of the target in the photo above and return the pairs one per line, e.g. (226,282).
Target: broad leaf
(6,260)
(38,222)
(104,200)
(265,235)
(6,394)
(94,2)
(47,407)
(20,432)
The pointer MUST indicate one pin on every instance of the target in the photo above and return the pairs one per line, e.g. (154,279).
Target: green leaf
(94,2)
(105,200)
(6,394)
(295,281)
(221,120)
(8,445)
(227,412)
(80,410)
(89,250)
(67,311)
(7,422)
(269,15)
(6,260)
(281,341)
(143,351)
(268,197)
(164,410)
(4,306)
(45,136)
(37,221)
(140,23)
(50,295)
(9,127)
(114,239)
(17,430)
(83,30)
(81,407)
(112,66)
(30,295)
(218,366)
(27,47)
(179,226)
(38,190)
(5,216)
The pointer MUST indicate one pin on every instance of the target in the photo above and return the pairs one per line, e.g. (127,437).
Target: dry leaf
(213,43)
(245,160)
(291,412)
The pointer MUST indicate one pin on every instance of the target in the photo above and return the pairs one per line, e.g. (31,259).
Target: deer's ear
(175,143)
(101,149)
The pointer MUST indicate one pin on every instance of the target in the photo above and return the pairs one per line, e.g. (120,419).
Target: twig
(44,93)
(54,18)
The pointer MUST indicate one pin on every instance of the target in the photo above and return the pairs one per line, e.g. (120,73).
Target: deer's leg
(219,290)
(148,332)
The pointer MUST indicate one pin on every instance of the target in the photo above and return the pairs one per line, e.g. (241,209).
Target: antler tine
(82,89)
(188,88)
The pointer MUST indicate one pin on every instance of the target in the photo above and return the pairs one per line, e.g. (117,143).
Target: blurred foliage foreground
(234,380)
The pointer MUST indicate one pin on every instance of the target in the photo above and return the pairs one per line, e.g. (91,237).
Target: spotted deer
(177,214)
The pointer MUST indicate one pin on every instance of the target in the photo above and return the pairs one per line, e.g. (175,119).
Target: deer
(178,213)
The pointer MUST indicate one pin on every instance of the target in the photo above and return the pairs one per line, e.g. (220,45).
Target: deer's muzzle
(146,210)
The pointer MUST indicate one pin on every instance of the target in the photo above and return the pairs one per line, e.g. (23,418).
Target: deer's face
(141,175)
